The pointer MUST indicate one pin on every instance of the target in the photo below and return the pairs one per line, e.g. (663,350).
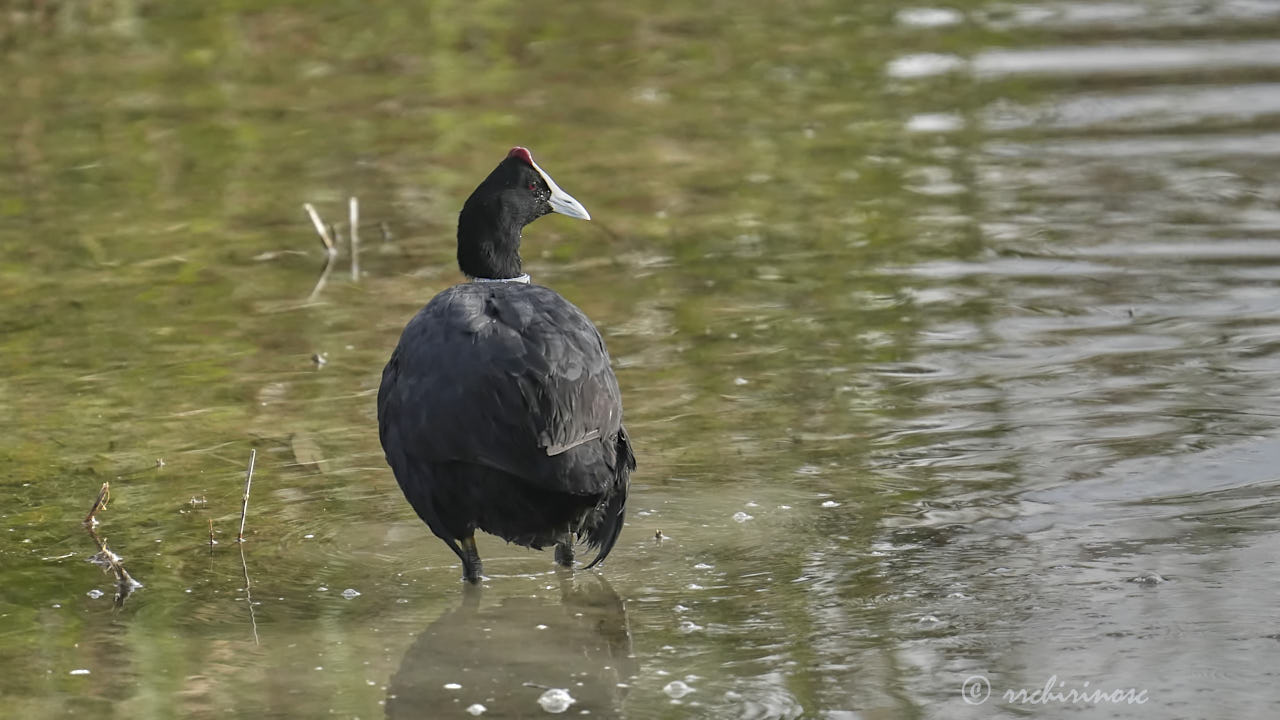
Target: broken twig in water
(353,217)
(105,558)
(212,542)
(104,496)
(321,229)
(331,250)
(125,584)
(244,502)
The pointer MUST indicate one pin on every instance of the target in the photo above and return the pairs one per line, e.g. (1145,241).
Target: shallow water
(947,338)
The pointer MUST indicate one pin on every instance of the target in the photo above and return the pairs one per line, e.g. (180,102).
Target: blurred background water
(947,337)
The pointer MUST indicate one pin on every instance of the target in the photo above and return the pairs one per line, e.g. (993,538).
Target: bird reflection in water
(506,656)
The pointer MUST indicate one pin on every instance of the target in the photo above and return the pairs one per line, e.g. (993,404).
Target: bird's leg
(471,569)
(564,551)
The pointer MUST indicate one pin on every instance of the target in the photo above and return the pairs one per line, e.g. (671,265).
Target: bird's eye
(533,186)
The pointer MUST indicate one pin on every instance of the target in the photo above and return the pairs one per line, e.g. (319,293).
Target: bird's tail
(605,534)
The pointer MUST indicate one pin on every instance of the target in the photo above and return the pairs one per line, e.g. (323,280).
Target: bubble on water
(540,626)
(928,17)
(703,566)
(556,700)
(322,589)
(741,517)
(1149,578)
(830,504)
(95,593)
(476,709)
(676,689)
(784,507)
(740,381)
(687,627)
(923,65)
(650,95)
(350,593)
(752,504)
(934,123)
(452,686)
(81,671)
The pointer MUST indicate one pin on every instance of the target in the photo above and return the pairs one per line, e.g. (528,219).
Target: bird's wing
(514,377)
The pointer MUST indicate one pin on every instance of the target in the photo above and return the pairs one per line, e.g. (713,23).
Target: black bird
(498,409)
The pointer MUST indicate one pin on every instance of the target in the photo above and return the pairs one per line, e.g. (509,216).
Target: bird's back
(509,376)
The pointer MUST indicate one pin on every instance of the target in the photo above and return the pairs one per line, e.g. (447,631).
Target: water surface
(946,335)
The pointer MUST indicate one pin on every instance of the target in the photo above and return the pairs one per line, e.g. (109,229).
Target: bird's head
(515,194)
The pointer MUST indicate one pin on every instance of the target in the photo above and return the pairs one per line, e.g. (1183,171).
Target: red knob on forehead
(522,153)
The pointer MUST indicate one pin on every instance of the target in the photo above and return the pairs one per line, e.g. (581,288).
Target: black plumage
(498,410)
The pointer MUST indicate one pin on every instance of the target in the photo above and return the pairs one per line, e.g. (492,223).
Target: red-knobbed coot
(498,409)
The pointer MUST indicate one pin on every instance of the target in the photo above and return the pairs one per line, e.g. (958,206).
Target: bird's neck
(488,245)
(523,278)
